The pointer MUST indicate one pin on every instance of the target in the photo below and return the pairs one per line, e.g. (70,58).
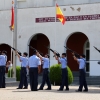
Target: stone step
(76,74)
(7,79)
(95,80)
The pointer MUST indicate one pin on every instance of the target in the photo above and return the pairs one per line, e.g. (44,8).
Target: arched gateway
(40,42)
(7,48)
(78,42)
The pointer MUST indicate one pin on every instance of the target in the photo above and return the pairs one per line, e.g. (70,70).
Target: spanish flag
(60,15)
(12,16)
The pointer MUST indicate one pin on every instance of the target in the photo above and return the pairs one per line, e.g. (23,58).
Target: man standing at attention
(3,59)
(34,67)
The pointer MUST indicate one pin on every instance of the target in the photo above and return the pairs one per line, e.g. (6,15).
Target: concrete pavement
(11,93)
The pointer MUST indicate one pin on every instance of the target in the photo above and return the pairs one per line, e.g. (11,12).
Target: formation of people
(34,63)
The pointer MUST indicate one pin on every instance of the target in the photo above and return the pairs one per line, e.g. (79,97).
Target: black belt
(33,67)
(3,66)
(45,68)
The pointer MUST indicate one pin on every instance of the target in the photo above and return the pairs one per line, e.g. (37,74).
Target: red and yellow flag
(60,15)
(12,16)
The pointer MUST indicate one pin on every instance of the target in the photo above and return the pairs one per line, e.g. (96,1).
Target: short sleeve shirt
(34,61)
(45,62)
(24,61)
(63,62)
(82,63)
(2,60)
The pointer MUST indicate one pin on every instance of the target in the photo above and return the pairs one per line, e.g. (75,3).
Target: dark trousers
(4,70)
(46,79)
(64,81)
(33,73)
(2,76)
(82,79)
(23,78)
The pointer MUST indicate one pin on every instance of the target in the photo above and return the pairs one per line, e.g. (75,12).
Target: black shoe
(86,90)
(34,90)
(78,90)
(25,88)
(67,89)
(40,89)
(18,88)
(60,90)
(48,89)
(3,87)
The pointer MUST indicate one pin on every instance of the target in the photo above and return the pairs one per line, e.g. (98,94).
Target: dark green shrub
(55,75)
(18,68)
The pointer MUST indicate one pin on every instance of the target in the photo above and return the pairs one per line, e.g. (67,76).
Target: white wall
(6,4)
(27,28)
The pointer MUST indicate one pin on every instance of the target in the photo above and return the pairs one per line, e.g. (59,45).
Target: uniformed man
(34,68)
(63,62)
(45,72)
(23,73)
(3,59)
(82,77)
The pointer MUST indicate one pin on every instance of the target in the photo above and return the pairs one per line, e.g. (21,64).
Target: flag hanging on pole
(60,15)
(12,17)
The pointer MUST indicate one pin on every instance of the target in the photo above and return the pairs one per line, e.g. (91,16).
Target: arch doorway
(7,48)
(39,41)
(78,42)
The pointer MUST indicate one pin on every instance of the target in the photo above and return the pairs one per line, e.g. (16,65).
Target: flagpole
(11,52)
(15,38)
(55,24)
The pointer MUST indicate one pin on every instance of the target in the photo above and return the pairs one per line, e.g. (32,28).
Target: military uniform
(2,70)
(45,74)
(23,73)
(82,76)
(64,81)
(33,64)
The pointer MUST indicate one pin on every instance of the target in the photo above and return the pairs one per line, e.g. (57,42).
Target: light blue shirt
(63,62)
(82,63)
(5,57)
(24,61)
(45,62)
(3,60)
(34,61)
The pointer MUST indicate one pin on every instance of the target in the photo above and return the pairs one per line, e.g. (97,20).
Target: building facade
(36,26)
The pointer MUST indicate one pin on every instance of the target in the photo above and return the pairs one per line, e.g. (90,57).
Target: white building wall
(27,28)
(6,4)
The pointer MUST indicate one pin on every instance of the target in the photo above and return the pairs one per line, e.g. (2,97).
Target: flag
(12,17)
(60,15)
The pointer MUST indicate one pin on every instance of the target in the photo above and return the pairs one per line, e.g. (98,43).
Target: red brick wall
(75,42)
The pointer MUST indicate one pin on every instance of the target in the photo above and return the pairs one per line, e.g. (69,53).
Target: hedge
(18,68)
(55,75)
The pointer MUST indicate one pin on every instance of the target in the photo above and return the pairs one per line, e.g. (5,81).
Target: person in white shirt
(9,65)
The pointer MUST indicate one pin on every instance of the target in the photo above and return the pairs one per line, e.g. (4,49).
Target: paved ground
(11,93)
